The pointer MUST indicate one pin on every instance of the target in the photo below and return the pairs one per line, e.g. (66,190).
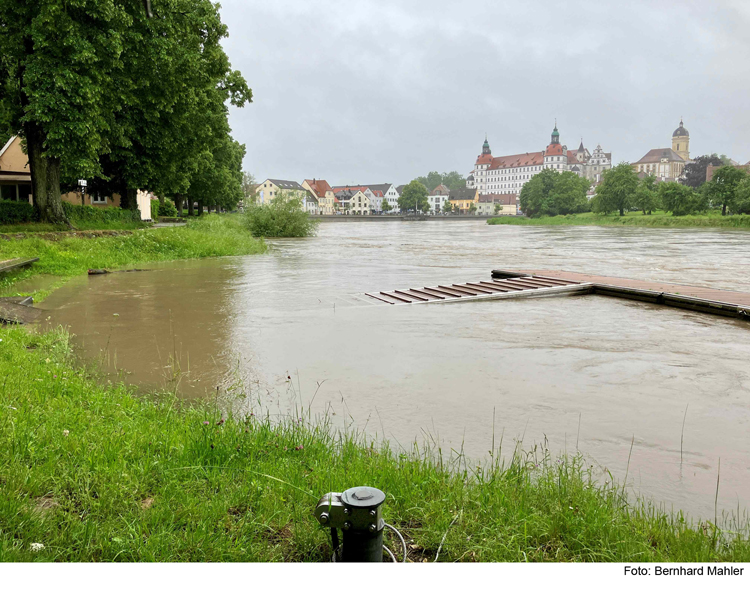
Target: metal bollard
(358,513)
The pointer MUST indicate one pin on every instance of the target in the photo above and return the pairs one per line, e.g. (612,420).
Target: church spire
(486,146)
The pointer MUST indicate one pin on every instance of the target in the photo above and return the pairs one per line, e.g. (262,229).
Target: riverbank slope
(68,255)
(94,473)
(658,219)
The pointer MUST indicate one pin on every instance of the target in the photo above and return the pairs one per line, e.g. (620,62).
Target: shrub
(89,213)
(167,209)
(681,199)
(16,212)
(281,218)
(154,209)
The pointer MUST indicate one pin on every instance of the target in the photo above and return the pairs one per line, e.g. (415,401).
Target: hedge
(16,212)
(88,213)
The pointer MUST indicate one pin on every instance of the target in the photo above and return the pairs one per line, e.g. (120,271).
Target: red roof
(484,159)
(527,159)
(554,150)
(355,189)
(319,187)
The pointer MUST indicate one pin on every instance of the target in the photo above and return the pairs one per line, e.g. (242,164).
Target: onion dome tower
(681,142)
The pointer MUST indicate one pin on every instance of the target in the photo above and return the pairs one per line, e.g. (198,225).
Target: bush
(16,212)
(167,209)
(154,209)
(281,218)
(89,213)
(681,199)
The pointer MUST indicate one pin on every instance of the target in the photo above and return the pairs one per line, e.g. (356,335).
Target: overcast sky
(381,91)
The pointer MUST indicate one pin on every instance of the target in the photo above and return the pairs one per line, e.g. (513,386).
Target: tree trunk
(622,211)
(45,178)
(200,208)
(191,206)
(723,209)
(179,200)
(129,199)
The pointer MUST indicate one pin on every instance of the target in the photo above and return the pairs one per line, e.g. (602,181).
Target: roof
(680,131)
(484,158)
(383,187)
(319,186)
(657,154)
(310,197)
(554,150)
(290,185)
(400,189)
(501,198)
(356,188)
(527,159)
(443,190)
(463,194)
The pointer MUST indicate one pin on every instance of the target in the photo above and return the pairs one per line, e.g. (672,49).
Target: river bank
(65,255)
(658,219)
(94,473)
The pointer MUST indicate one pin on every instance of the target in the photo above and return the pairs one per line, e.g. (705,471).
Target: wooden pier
(509,284)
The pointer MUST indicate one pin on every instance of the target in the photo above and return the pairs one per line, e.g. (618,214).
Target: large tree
(722,187)
(414,197)
(59,69)
(680,199)
(453,180)
(695,171)
(554,193)
(646,197)
(616,191)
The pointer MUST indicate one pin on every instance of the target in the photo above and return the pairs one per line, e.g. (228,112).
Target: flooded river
(588,372)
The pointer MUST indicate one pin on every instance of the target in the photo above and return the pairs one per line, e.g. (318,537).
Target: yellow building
(324,194)
(269,189)
(464,199)
(667,164)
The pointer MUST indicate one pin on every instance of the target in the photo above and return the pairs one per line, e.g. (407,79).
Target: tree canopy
(98,90)
(414,197)
(681,199)
(646,196)
(722,188)
(453,180)
(695,171)
(553,193)
(616,191)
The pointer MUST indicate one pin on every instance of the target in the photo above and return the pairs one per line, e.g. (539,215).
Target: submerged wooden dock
(507,284)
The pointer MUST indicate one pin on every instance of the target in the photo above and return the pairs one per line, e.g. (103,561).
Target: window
(8,193)
(96,198)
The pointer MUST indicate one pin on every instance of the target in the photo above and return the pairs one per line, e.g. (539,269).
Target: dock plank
(11,264)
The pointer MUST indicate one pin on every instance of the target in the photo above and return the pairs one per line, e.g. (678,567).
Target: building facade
(437,198)
(323,193)
(667,164)
(507,175)
(353,201)
(506,204)
(269,189)
(464,199)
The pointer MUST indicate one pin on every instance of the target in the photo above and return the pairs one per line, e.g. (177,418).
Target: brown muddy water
(587,372)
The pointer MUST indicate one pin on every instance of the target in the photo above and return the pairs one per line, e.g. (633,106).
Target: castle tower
(486,146)
(681,142)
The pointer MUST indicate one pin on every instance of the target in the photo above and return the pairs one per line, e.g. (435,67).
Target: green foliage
(616,191)
(646,196)
(249,184)
(453,180)
(207,236)
(167,209)
(154,209)
(659,219)
(695,171)
(680,199)
(447,206)
(89,213)
(16,212)
(721,189)
(741,201)
(386,207)
(498,208)
(283,217)
(98,474)
(551,193)
(414,197)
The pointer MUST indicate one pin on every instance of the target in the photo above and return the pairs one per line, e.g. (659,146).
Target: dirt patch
(43,506)
(146,503)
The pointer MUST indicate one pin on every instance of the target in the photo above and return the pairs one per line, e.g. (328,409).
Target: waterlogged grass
(208,236)
(658,219)
(93,473)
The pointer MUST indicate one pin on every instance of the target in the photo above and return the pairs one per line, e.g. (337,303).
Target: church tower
(486,146)
(681,142)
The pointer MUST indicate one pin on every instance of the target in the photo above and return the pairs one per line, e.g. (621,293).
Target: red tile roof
(319,186)
(527,159)
(554,150)
(484,159)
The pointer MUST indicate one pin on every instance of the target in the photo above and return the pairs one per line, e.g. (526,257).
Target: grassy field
(207,236)
(94,473)
(658,219)
(36,227)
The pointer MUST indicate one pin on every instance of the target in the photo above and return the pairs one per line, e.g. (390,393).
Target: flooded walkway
(585,373)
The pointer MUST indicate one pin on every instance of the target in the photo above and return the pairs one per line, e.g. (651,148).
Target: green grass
(208,236)
(37,227)
(95,473)
(658,219)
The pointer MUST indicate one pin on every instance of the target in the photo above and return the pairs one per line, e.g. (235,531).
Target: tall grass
(208,236)
(656,220)
(96,474)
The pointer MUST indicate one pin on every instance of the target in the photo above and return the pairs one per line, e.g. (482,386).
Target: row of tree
(102,90)
(621,189)
(452,180)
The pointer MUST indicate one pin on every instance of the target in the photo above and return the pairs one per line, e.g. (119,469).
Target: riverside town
(408,283)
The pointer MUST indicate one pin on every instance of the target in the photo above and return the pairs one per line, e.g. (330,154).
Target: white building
(438,197)
(508,174)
